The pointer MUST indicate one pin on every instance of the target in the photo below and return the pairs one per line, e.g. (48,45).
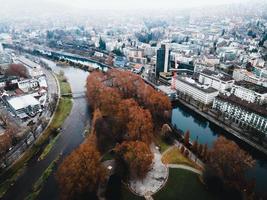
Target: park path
(186,167)
(154,180)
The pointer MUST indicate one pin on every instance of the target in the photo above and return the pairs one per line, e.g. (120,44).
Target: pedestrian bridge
(75,95)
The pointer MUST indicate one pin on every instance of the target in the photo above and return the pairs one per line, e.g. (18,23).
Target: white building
(250,92)
(244,75)
(197,91)
(24,106)
(211,60)
(242,112)
(7,80)
(216,80)
(28,84)
(136,55)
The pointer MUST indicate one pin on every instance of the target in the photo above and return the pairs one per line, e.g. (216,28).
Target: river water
(207,133)
(183,117)
(74,126)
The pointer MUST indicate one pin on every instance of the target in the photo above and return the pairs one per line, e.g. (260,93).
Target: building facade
(242,112)
(201,93)
(216,80)
(250,92)
(163,57)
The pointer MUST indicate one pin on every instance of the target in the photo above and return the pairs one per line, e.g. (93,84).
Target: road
(71,136)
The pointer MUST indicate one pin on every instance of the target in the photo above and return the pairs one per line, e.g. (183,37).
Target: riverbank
(62,110)
(224,126)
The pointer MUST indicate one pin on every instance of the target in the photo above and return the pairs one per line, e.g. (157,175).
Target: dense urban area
(134,105)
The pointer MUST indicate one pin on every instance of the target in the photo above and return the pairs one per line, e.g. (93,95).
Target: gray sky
(119,4)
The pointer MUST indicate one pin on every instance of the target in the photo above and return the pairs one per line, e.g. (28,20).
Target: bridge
(75,95)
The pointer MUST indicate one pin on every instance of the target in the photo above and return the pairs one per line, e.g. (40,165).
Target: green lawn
(64,85)
(63,110)
(126,194)
(183,185)
(161,144)
(48,147)
(174,156)
(107,156)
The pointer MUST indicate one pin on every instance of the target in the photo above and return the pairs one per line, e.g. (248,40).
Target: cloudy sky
(117,4)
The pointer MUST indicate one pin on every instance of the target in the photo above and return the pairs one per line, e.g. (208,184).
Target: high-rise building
(163,58)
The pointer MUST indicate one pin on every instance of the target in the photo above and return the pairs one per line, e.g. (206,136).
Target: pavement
(185,167)
(154,180)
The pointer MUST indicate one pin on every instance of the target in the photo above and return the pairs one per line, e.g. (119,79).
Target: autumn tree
(109,99)
(186,153)
(205,151)
(106,137)
(5,144)
(195,146)
(226,167)
(157,103)
(96,115)
(17,70)
(166,133)
(94,86)
(81,172)
(137,156)
(182,149)
(123,116)
(140,126)
(187,138)
(126,82)
(200,149)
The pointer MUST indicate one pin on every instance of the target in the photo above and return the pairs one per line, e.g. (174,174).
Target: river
(74,126)
(71,136)
(207,133)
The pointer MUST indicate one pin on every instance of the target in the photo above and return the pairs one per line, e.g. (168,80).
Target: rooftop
(252,86)
(23,101)
(27,62)
(221,76)
(252,107)
(196,85)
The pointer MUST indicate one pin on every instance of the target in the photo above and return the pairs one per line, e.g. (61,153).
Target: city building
(167,90)
(244,75)
(23,106)
(119,61)
(242,112)
(250,92)
(202,93)
(28,84)
(7,81)
(163,57)
(216,80)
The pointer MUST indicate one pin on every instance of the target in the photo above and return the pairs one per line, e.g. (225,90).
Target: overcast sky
(118,4)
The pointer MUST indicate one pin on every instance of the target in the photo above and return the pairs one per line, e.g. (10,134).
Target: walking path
(180,166)
(154,180)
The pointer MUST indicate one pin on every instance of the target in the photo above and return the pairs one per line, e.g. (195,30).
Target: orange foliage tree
(5,144)
(17,70)
(140,125)
(109,99)
(137,156)
(228,163)
(123,117)
(187,138)
(94,87)
(81,172)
